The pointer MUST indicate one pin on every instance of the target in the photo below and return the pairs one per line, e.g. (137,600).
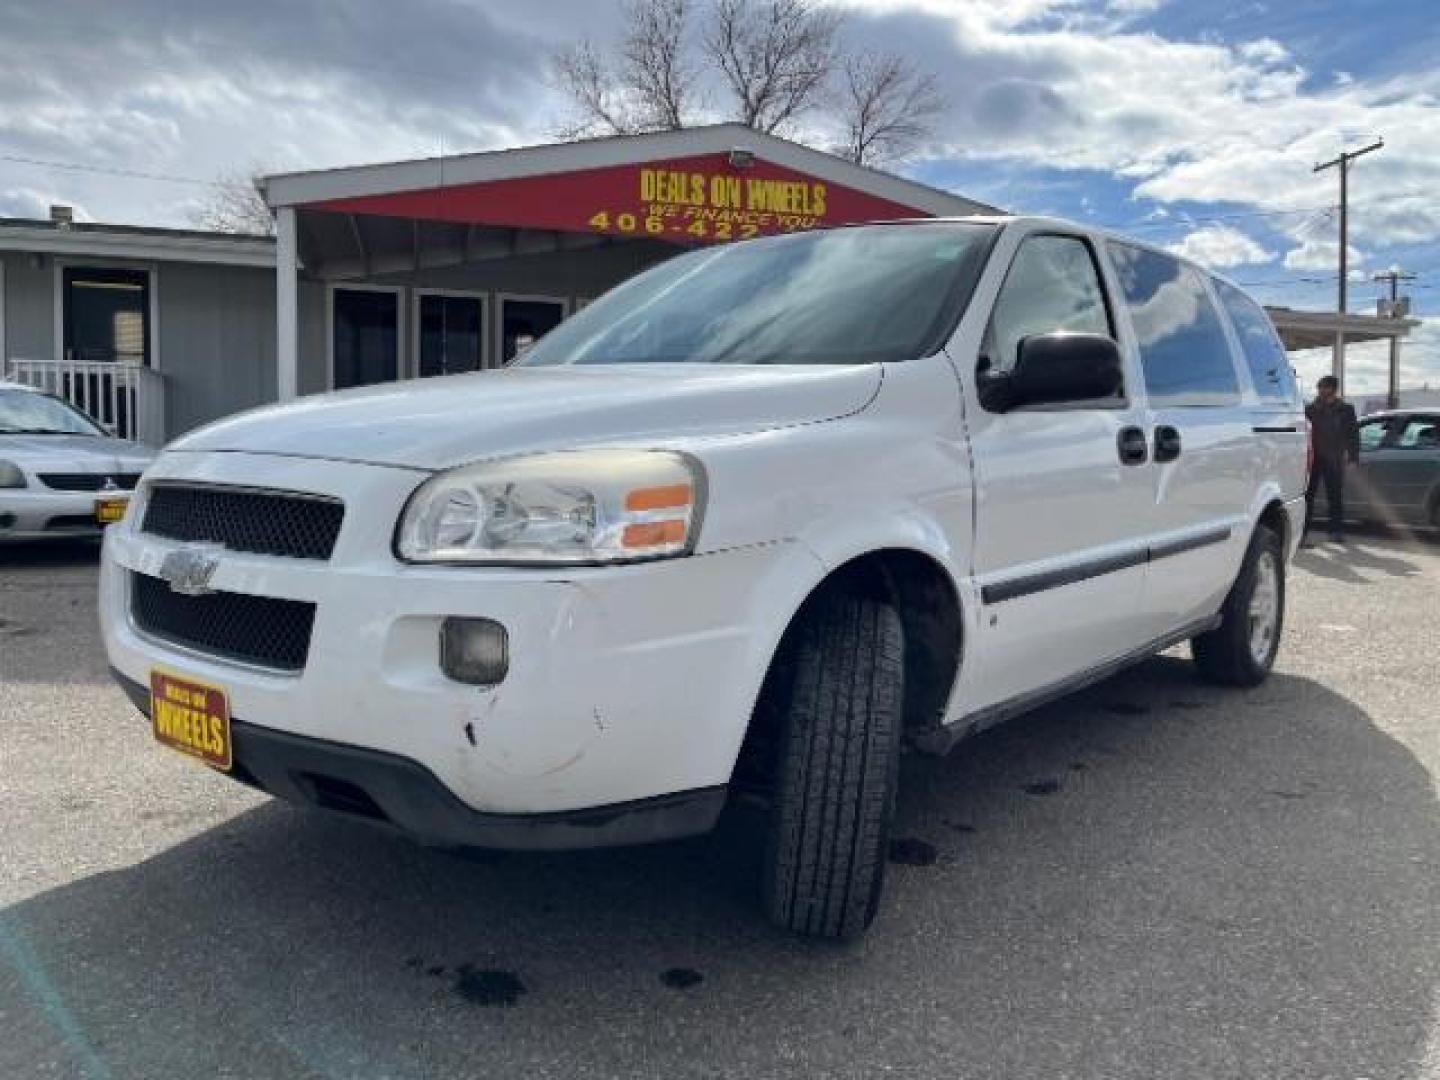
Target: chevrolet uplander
(747,525)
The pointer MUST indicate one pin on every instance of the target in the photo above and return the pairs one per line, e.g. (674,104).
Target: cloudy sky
(1190,123)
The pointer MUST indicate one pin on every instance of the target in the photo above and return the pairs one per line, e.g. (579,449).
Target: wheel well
(924,595)
(1278,521)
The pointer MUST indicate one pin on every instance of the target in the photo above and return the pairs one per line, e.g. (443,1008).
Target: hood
(442,422)
(74,453)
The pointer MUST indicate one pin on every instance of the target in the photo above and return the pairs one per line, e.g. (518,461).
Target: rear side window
(1419,431)
(1183,347)
(1052,285)
(1269,366)
(1372,433)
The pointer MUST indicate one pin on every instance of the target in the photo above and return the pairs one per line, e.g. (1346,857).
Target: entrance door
(451,332)
(365,337)
(1061,497)
(107,315)
(526,317)
(105,323)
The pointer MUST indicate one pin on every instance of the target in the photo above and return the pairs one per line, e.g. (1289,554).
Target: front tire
(1241,650)
(838,766)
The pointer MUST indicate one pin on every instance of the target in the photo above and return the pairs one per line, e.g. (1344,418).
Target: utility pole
(1394,276)
(1343,162)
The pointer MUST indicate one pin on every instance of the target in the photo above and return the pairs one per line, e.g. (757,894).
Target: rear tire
(838,765)
(1241,650)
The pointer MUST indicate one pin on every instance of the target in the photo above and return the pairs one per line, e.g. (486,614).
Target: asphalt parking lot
(1153,879)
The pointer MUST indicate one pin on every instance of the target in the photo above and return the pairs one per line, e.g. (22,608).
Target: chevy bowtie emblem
(188,570)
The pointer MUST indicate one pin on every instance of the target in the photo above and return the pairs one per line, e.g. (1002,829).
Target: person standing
(1335,440)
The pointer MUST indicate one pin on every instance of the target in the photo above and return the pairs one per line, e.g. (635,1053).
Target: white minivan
(746,525)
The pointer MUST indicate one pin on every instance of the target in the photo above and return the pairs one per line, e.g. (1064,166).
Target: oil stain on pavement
(1042,787)
(488,987)
(680,978)
(912,852)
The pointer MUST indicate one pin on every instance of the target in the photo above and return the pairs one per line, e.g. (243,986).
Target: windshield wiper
(37,431)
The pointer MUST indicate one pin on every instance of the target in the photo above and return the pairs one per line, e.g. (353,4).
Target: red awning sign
(693,200)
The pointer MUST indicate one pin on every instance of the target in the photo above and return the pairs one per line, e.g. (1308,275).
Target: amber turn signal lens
(653,534)
(659,498)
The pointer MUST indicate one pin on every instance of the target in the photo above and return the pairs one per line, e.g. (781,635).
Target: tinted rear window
(1265,356)
(1183,347)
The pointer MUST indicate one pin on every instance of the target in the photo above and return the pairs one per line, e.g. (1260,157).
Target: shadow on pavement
(1153,878)
(1351,562)
(41,553)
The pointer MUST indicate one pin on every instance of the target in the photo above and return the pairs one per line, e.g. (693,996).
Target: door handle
(1130,442)
(1167,443)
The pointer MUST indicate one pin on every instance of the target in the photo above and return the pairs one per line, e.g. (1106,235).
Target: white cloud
(1221,247)
(1185,120)
(1317,253)
(26,202)
(1263,51)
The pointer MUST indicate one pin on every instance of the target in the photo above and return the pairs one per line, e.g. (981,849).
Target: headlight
(10,475)
(583,506)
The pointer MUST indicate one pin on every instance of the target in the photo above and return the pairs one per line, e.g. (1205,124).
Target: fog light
(474,651)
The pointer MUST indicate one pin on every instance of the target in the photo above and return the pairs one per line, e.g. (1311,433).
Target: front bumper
(35,513)
(626,683)
(395,791)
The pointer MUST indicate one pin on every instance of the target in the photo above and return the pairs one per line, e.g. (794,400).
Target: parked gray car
(61,474)
(1398,479)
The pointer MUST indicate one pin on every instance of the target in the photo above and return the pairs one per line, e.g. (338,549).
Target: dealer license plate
(110,508)
(192,717)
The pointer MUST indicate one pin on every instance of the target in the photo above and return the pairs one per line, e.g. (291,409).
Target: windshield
(847,296)
(23,412)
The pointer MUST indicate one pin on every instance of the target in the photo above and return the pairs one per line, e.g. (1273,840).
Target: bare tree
(235,205)
(658,64)
(769,62)
(590,85)
(775,57)
(887,107)
(652,86)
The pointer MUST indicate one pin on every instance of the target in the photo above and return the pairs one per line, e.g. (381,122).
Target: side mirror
(1052,369)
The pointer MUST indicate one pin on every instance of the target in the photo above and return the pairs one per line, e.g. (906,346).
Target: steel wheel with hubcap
(1264,607)
(1241,650)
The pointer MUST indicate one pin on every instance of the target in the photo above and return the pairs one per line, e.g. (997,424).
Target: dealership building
(386,272)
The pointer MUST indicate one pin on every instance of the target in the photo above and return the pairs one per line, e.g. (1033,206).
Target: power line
(130,174)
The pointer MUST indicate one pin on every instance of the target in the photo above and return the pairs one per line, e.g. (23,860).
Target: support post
(1392,398)
(1394,276)
(287,307)
(1337,360)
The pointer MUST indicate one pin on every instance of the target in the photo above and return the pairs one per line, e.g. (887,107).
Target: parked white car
(61,474)
(745,525)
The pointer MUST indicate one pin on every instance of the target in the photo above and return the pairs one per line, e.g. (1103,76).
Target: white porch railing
(126,399)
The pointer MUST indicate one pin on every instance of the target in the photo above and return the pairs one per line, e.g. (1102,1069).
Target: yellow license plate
(110,510)
(192,717)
